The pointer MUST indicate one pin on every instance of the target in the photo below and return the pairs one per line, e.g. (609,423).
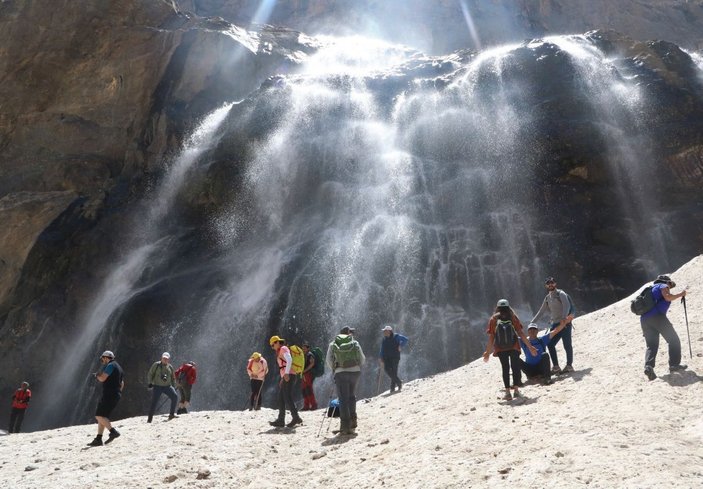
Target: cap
(255,356)
(108,353)
(549,279)
(344,330)
(274,339)
(532,326)
(26,383)
(388,327)
(166,355)
(192,363)
(352,330)
(503,303)
(662,279)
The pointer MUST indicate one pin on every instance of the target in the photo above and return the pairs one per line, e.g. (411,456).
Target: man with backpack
(162,380)
(654,323)
(285,384)
(20,403)
(309,401)
(504,329)
(111,377)
(345,358)
(186,375)
(559,305)
(391,345)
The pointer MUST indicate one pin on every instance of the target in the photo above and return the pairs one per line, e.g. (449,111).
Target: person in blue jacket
(391,346)
(654,323)
(539,364)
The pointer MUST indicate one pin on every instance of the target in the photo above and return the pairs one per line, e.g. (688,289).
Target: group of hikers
(345,358)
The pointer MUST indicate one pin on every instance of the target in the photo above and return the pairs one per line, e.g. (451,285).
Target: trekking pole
(326,411)
(688,333)
(378,386)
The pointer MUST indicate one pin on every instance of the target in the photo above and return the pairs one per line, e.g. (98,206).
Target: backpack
(572,307)
(644,302)
(319,369)
(345,351)
(298,359)
(505,336)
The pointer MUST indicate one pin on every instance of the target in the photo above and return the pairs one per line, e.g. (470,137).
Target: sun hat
(663,279)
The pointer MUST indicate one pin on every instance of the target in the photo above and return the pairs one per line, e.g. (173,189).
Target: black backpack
(644,302)
(505,336)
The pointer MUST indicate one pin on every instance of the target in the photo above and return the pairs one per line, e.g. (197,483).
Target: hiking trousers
(542,368)
(510,360)
(255,397)
(390,365)
(156,395)
(306,384)
(285,398)
(565,336)
(346,392)
(184,391)
(654,326)
(16,417)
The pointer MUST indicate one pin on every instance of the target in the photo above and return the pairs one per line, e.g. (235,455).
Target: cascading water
(375,186)
(124,282)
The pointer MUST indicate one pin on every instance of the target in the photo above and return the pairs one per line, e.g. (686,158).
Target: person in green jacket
(163,381)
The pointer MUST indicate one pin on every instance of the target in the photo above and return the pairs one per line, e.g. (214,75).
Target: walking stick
(685,314)
(378,387)
(256,397)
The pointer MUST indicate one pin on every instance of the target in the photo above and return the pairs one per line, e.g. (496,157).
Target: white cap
(533,325)
(503,303)
(387,328)
(166,355)
(108,353)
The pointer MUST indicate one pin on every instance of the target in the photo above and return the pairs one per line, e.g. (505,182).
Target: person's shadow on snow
(338,440)
(681,379)
(578,375)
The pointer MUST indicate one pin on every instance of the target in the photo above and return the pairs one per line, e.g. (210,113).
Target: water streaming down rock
(381,186)
(129,278)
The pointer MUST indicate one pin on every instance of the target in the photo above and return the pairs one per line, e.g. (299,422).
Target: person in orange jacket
(20,402)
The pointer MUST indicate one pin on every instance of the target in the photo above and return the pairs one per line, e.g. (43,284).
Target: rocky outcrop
(440,26)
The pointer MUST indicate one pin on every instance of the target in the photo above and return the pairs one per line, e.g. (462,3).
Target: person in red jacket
(185,378)
(20,401)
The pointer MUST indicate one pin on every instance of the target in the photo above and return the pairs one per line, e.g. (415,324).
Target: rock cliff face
(440,26)
(97,96)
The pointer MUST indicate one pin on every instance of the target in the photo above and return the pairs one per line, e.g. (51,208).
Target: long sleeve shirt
(557,304)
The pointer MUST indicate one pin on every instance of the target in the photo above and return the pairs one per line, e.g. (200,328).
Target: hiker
(162,380)
(391,345)
(20,402)
(345,358)
(309,401)
(654,323)
(112,378)
(558,303)
(257,368)
(186,375)
(534,365)
(503,330)
(285,384)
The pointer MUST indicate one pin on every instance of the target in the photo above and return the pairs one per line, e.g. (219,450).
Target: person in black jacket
(112,378)
(391,345)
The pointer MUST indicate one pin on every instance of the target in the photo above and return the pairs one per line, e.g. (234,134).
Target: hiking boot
(257,408)
(556,369)
(649,372)
(400,386)
(677,368)
(547,381)
(507,396)
(352,423)
(568,369)
(171,416)
(294,422)
(516,394)
(97,442)
(113,434)
(279,423)
(149,419)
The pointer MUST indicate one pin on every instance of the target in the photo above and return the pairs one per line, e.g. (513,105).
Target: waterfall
(375,186)
(123,283)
